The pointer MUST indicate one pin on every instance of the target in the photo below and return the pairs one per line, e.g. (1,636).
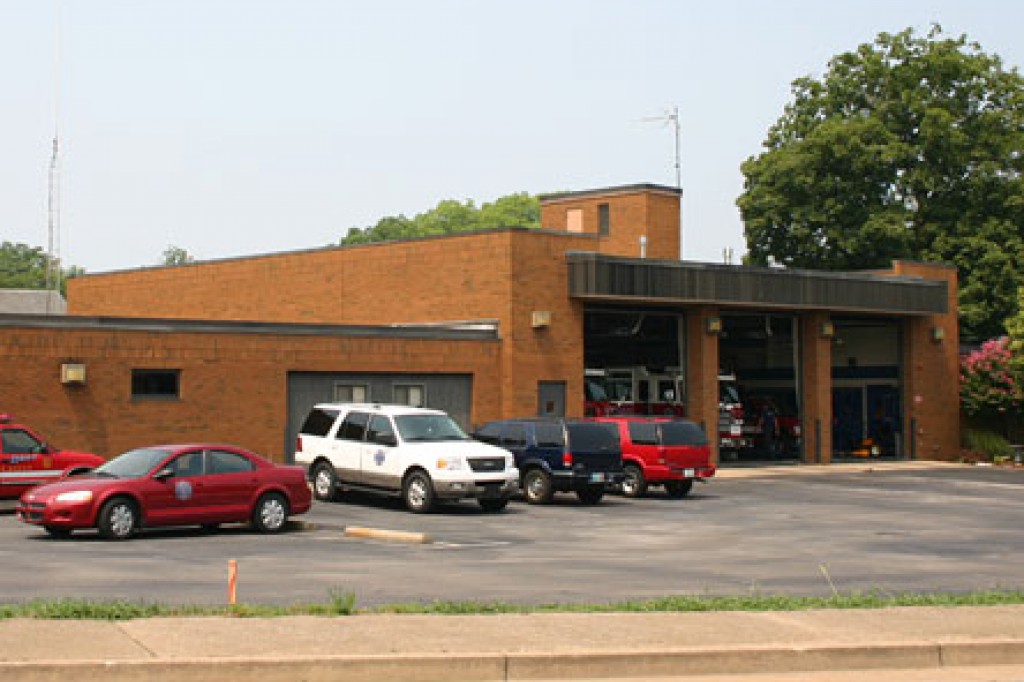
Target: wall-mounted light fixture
(713,325)
(72,373)
(938,334)
(541,319)
(827,330)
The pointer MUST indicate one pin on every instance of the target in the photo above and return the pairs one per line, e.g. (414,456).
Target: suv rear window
(354,426)
(643,433)
(682,433)
(592,437)
(549,435)
(319,422)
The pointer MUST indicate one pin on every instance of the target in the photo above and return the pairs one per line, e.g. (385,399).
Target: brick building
(490,324)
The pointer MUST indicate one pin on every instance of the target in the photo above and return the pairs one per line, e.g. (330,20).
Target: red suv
(26,460)
(661,451)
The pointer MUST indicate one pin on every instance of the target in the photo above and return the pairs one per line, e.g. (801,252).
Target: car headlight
(450,463)
(74,496)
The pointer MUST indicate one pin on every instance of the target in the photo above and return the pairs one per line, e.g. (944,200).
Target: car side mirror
(164,474)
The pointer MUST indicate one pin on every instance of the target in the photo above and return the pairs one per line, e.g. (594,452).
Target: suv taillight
(298,444)
(567,459)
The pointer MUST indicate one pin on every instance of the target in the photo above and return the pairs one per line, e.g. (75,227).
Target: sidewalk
(510,647)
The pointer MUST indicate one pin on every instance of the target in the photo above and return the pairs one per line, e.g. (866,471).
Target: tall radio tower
(53,200)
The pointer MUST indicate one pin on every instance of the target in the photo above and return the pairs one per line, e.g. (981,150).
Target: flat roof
(477,330)
(609,191)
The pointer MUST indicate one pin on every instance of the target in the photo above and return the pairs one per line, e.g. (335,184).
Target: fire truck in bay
(639,391)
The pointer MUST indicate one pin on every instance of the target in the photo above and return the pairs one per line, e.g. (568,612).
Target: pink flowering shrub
(990,382)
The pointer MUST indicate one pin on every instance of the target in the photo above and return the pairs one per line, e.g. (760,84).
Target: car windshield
(428,427)
(132,464)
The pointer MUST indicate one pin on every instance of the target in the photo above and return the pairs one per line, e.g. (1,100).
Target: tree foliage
(24,267)
(451,216)
(908,147)
(989,382)
(175,255)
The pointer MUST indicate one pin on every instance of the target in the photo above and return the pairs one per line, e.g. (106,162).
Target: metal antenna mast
(671,118)
(53,200)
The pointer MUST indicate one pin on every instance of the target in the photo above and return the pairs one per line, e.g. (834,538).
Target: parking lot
(798,532)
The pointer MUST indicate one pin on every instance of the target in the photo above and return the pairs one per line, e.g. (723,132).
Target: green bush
(988,443)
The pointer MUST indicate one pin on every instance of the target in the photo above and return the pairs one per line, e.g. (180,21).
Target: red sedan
(26,460)
(170,485)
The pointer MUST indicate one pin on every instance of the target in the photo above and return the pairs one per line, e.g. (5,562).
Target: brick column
(815,389)
(931,373)
(702,373)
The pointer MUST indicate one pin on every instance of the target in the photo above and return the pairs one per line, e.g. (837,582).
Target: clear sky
(240,127)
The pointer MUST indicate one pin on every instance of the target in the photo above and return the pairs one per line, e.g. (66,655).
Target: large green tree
(450,216)
(24,267)
(908,147)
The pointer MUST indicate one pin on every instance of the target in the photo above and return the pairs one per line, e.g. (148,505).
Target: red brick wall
(632,214)
(931,385)
(233,386)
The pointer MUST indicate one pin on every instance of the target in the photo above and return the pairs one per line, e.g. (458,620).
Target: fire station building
(595,311)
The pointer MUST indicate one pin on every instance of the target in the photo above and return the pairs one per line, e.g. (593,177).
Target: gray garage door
(452,393)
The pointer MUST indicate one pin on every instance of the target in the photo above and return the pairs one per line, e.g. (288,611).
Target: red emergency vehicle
(26,460)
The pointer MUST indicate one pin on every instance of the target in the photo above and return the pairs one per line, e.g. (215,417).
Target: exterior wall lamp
(72,373)
(827,330)
(540,319)
(938,334)
(713,325)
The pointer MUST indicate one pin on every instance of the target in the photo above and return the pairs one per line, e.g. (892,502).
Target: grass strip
(342,603)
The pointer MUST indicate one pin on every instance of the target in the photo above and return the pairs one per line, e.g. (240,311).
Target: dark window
(643,433)
(682,433)
(381,431)
(222,462)
(514,436)
(156,383)
(489,433)
(18,442)
(319,422)
(604,219)
(354,426)
(593,437)
(550,435)
(187,465)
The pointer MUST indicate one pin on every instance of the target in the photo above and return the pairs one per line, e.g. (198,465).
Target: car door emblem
(183,490)
(378,457)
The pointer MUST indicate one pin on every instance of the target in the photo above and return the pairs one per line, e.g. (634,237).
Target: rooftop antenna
(53,199)
(671,117)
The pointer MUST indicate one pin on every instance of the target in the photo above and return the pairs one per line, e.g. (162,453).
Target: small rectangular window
(574,220)
(604,219)
(350,393)
(413,395)
(156,384)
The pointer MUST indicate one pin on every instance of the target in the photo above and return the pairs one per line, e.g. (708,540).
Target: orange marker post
(232,580)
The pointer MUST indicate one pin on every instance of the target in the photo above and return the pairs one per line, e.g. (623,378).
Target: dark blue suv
(559,455)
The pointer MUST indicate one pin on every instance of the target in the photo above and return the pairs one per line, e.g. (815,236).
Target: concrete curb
(529,666)
(388,535)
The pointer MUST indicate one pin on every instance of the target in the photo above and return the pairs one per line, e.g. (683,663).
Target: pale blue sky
(239,127)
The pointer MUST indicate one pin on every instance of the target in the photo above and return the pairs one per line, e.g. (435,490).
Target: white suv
(419,453)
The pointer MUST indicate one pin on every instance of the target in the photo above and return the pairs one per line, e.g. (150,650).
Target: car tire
(325,482)
(418,493)
(590,495)
(635,484)
(271,513)
(678,489)
(493,504)
(537,487)
(118,519)
(59,533)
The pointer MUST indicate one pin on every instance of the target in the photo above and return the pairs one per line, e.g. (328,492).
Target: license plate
(597,478)
(689,473)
